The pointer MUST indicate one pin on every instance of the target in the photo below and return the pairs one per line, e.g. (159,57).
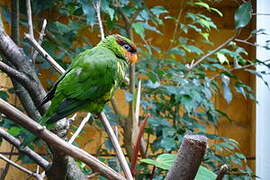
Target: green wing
(89,82)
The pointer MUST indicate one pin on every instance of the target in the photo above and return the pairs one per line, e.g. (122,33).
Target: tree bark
(189,158)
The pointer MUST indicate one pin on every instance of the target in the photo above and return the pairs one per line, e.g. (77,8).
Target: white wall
(263,97)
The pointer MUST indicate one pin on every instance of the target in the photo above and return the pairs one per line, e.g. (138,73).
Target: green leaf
(205,174)
(178,51)
(89,12)
(4,95)
(168,143)
(242,15)
(192,49)
(107,9)
(226,89)
(222,58)
(163,161)
(158,10)
(202,4)
(217,11)
(14,131)
(139,29)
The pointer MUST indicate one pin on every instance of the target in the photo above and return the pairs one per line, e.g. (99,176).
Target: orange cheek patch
(133,58)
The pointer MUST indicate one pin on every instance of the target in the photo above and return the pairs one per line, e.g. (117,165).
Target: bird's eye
(127,47)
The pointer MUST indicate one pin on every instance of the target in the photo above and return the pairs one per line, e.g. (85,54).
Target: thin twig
(44,54)
(233,69)
(5,171)
(40,39)
(176,25)
(20,167)
(30,153)
(246,42)
(97,5)
(29,19)
(84,121)
(116,145)
(192,65)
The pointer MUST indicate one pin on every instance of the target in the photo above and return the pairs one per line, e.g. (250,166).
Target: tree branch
(37,176)
(188,158)
(192,65)
(78,131)
(97,5)
(44,54)
(40,39)
(15,17)
(32,154)
(19,76)
(29,20)
(17,57)
(18,117)
(116,145)
(6,169)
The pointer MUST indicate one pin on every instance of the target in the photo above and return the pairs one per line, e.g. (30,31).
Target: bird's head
(122,47)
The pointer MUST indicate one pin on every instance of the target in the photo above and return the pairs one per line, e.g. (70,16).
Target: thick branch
(188,158)
(54,141)
(24,81)
(32,154)
(17,57)
(19,76)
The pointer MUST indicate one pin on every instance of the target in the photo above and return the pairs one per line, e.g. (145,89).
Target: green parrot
(90,81)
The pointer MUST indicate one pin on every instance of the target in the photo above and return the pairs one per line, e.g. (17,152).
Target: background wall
(241,110)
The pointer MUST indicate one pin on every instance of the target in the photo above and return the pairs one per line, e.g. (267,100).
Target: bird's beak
(133,58)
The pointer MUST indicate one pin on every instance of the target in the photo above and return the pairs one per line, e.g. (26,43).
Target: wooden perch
(18,117)
(188,158)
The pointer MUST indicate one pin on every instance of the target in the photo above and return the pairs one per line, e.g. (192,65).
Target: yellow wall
(241,110)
